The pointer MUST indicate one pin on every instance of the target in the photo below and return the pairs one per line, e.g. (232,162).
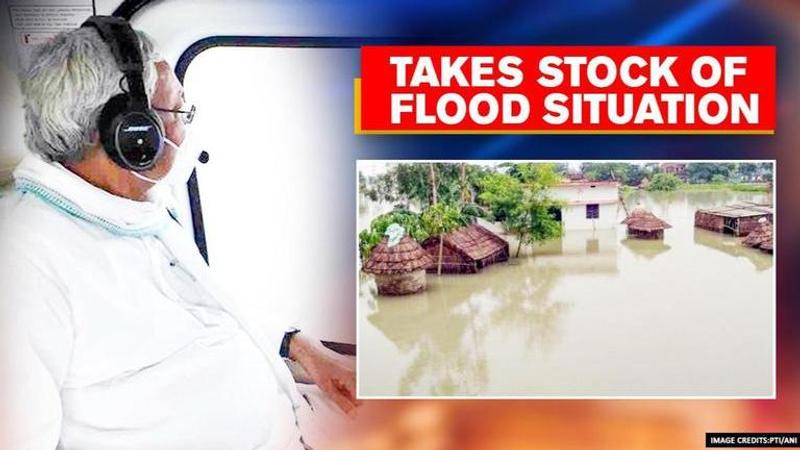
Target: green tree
(519,199)
(501,193)
(379,188)
(704,172)
(538,174)
(747,171)
(652,168)
(372,236)
(664,182)
(635,174)
(607,171)
(532,221)
(765,171)
(412,183)
(438,220)
(718,178)
(470,212)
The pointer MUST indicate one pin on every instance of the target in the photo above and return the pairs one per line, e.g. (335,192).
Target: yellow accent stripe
(357,106)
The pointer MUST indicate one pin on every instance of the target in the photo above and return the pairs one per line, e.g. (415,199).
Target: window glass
(275,123)
(592,211)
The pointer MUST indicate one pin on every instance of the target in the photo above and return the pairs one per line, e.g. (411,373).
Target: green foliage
(718,179)
(705,172)
(606,171)
(531,220)
(372,236)
(652,168)
(635,174)
(664,182)
(501,193)
(738,187)
(539,174)
(523,207)
(742,187)
(754,172)
(379,188)
(470,212)
(411,183)
(625,173)
(441,218)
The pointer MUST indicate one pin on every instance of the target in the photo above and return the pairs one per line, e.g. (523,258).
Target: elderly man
(118,336)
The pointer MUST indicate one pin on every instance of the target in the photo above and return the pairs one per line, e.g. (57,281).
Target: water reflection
(732,246)
(445,328)
(647,249)
(592,313)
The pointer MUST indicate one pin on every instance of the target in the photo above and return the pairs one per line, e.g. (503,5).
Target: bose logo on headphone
(134,129)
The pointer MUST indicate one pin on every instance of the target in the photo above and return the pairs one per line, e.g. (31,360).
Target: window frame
(198,47)
(596,208)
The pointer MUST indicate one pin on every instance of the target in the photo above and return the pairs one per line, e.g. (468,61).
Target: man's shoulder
(24,216)
(31,229)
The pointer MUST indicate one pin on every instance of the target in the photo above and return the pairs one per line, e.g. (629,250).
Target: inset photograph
(566,279)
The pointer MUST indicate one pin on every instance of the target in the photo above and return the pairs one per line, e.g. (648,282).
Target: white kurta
(117,335)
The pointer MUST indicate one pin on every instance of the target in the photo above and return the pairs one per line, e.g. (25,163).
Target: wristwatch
(287,339)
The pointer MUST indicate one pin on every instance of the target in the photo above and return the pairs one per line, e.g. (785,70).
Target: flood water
(591,314)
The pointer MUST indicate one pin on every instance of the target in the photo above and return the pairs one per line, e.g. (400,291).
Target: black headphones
(131,132)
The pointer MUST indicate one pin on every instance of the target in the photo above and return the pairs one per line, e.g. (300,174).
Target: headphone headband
(130,131)
(117,33)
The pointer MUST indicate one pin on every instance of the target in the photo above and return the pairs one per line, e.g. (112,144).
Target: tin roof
(739,210)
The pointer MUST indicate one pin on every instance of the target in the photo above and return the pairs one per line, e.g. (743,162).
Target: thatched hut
(467,250)
(643,224)
(760,238)
(399,269)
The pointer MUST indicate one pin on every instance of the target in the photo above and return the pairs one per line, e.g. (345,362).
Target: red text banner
(566,89)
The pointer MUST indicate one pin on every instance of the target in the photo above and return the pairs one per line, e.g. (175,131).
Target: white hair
(65,86)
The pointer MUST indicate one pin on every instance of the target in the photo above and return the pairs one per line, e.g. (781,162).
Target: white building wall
(576,197)
(573,217)
(585,193)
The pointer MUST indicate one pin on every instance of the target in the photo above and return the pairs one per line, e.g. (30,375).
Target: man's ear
(94,137)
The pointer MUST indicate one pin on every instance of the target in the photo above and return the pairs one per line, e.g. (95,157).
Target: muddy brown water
(591,314)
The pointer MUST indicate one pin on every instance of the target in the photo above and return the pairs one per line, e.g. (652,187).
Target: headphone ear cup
(115,107)
(132,138)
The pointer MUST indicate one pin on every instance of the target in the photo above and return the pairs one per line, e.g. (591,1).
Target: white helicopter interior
(272,210)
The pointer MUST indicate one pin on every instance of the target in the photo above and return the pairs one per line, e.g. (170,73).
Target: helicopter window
(277,125)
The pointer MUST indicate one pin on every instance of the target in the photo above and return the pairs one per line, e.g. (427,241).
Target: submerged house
(467,250)
(643,224)
(738,219)
(588,205)
(398,266)
(761,237)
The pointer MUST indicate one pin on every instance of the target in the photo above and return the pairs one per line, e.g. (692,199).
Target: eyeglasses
(186,116)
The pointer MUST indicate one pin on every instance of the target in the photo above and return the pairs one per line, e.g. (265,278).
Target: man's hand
(333,373)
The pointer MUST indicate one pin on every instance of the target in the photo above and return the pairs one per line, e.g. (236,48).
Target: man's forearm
(302,347)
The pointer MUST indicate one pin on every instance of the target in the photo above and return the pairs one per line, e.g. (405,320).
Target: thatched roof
(761,237)
(405,256)
(642,220)
(473,241)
